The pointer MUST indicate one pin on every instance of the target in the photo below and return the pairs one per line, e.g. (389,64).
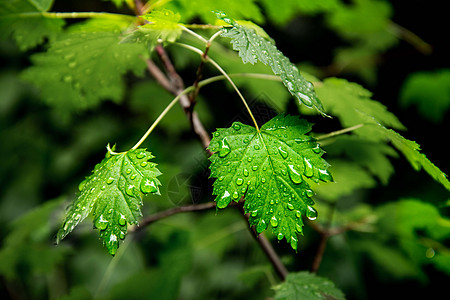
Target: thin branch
(323,242)
(170,212)
(266,246)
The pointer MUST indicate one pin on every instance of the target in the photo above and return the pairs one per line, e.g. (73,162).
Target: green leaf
(307,286)
(112,194)
(27,243)
(371,155)
(351,103)
(83,68)
(410,150)
(282,11)
(269,168)
(202,9)
(253,47)
(429,91)
(348,177)
(24,22)
(162,25)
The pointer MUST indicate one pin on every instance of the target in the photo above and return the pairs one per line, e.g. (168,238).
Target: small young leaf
(162,26)
(307,286)
(269,168)
(113,195)
(253,47)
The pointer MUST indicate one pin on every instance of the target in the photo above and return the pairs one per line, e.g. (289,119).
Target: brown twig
(173,211)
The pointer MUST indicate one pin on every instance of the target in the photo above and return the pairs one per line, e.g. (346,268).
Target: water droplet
(283,152)
(82,185)
(132,177)
(311,213)
(263,180)
(305,99)
(308,171)
(224,200)
(235,195)
(294,175)
(128,171)
(298,228)
(236,126)
(261,226)
(221,178)
(129,190)
(110,211)
(324,175)
(141,155)
(257,147)
(67,78)
(249,159)
(72,64)
(255,167)
(101,223)
(216,134)
(148,186)
(122,220)
(245,172)
(239,181)
(290,206)
(224,148)
(272,202)
(110,180)
(316,149)
(309,193)
(274,221)
(144,163)
(254,213)
(280,236)
(294,242)
(122,235)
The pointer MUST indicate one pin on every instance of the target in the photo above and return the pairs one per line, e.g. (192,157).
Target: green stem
(218,67)
(75,15)
(245,75)
(338,132)
(165,111)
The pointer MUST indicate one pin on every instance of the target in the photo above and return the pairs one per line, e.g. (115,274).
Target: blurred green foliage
(397,221)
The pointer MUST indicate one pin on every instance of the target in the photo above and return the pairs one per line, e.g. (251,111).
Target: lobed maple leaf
(269,167)
(113,195)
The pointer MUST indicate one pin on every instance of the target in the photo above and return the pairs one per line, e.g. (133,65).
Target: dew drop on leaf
(308,171)
(236,126)
(311,213)
(235,195)
(148,186)
(122,220)
(274,221)
(254,213)
(224,149)
(110,180)
(261,226)
(129,190)
(294,175)
(140,155)
(245,172)
(101,223)
(283,152)
(82,185)
(239,181)
(316,149)
(280,236)
(290,206)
